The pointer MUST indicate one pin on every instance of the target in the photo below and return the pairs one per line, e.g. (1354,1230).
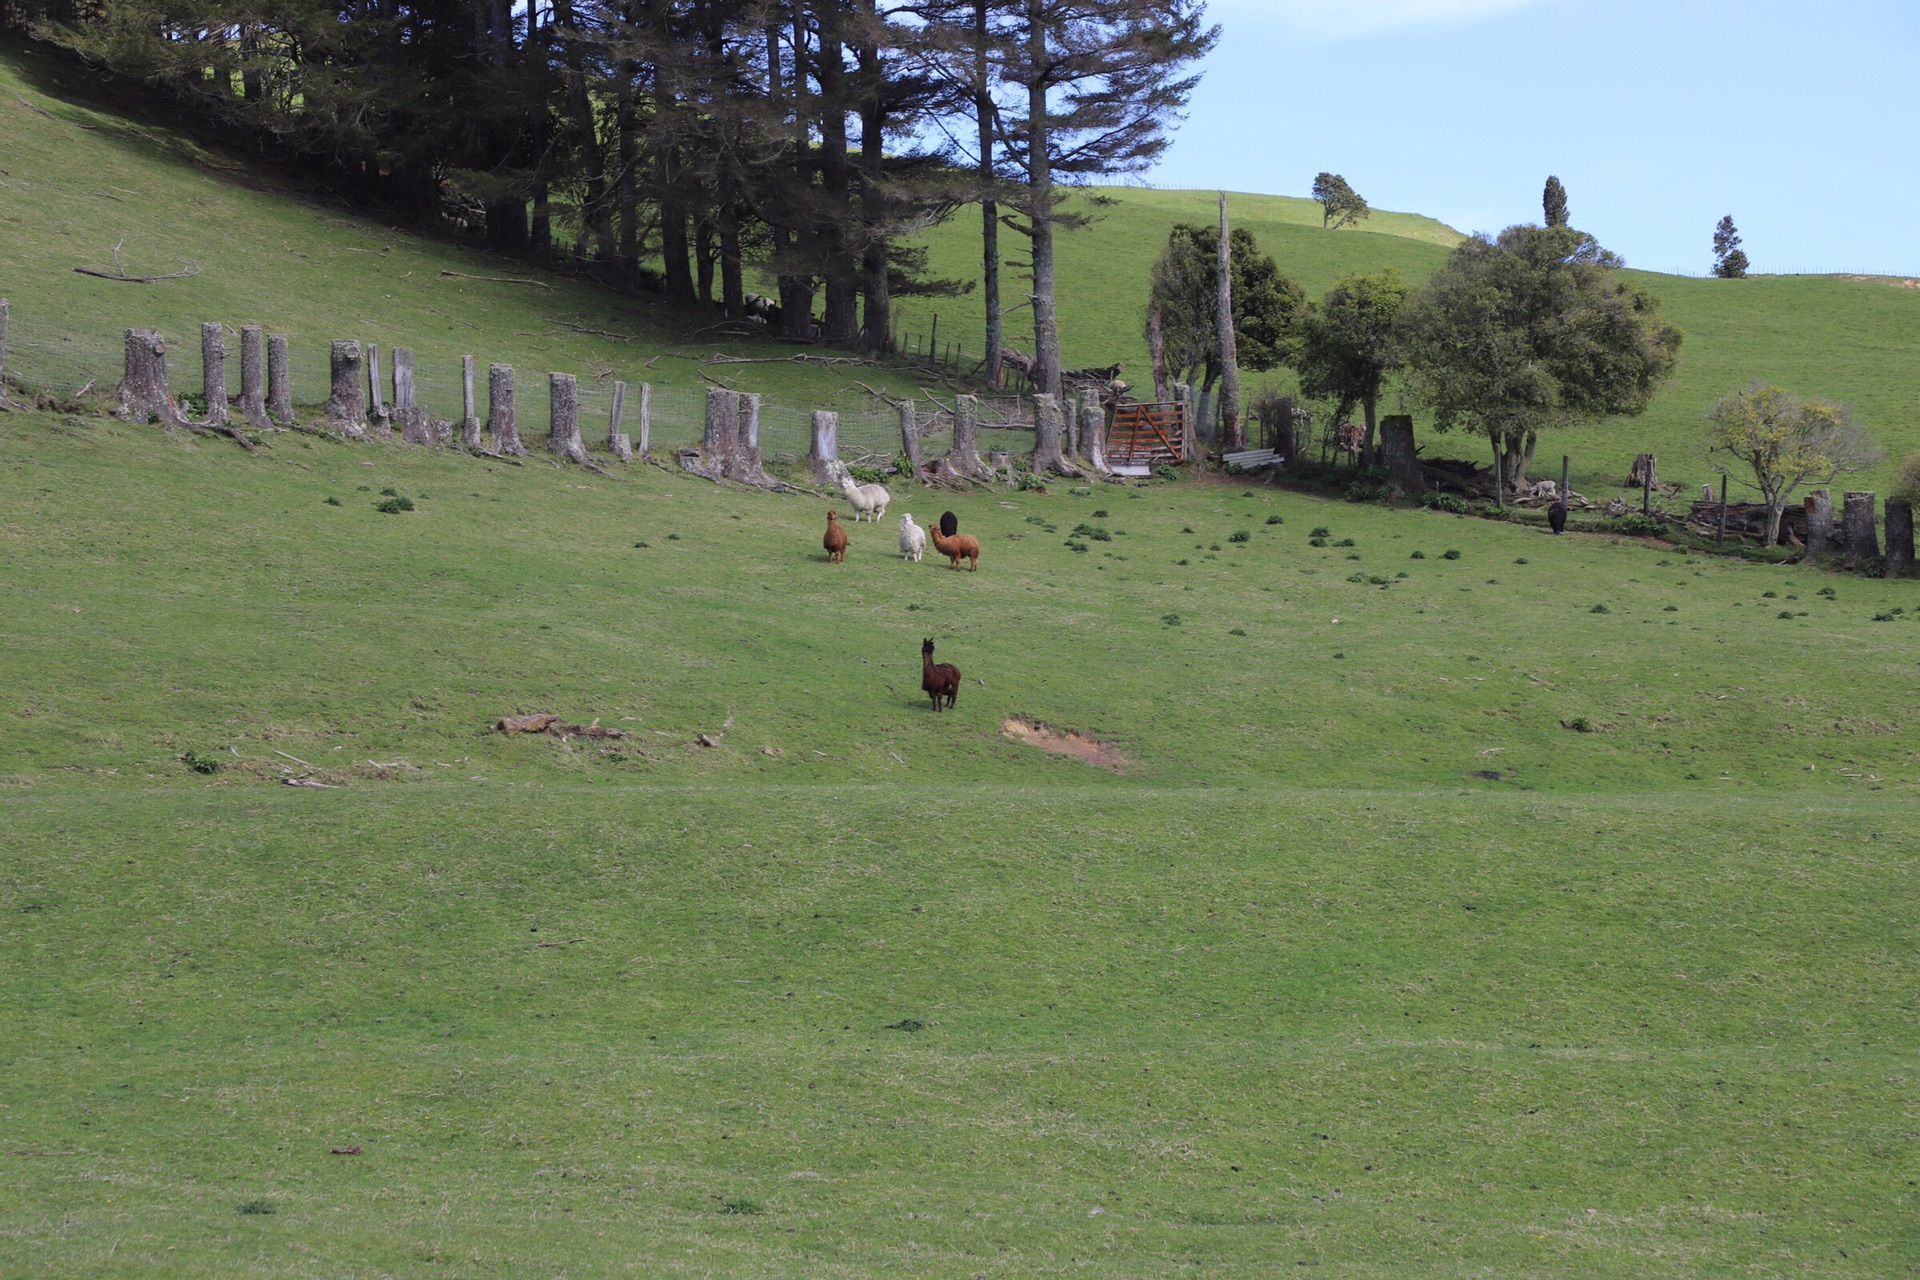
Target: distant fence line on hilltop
(44,358)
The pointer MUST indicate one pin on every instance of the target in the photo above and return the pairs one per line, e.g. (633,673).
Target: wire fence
(42,358)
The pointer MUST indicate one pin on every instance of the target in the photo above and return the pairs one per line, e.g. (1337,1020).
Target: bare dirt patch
(1063,742)
(1897,282)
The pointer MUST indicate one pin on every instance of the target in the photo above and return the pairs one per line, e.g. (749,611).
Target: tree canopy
(1267,304)
(1348,344)
(1531,330)
(1553,203)
(1786,441)
(1729,261)
(1340,204)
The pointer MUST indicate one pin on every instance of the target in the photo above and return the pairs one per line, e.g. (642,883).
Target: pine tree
(1729,263)
(1553,202)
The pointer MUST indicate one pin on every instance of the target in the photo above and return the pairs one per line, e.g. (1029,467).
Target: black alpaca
(1557,516)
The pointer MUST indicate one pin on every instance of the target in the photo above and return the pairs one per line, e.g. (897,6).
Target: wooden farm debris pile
(1749,520)
(541,722)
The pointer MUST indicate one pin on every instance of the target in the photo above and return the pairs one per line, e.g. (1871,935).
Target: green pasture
(1363,959)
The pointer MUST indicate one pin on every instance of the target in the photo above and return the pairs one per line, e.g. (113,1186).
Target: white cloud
(1326,20)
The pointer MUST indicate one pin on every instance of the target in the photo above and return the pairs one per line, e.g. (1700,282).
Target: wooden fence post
(253,375)
(502,421)
(747,418)
(563,435)
(824,453)
(378,415)
(646,418)
(1857,524)
(1899,537)
(1189,443)
(616,438)
(143,393)
(213,371)
(414,426)
(1093,424)
(910,436)
(4,402)
(720,443)
(469,420)
(279,382)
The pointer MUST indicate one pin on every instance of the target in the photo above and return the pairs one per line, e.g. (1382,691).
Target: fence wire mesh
(42,358)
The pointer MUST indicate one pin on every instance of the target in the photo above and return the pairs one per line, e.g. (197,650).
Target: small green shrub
(1599,608)
(641,545)
(740,1206)
(1076,546)
(868,475)
(1183,562)
(1319,531)
(394,506)
(1345,542)
(1081,491)
(1878,617)
(390,492)
(906,1024)
(1356,577)
(673,537)
(1027,482)
(1446,502)
(1769,595)
(1785,613)
(1418,555)
(1276,520)
(1450,555)
(255,1207)
(1035,520)
(1240,535)
(1237,631)
(1171,619)
(1828,592)
(1639,526)
(332,501)
(199,763)
(1672,608)
(1186,528)
(1316,542)
(1091,532)
(1100,514)
(1166,473)
(1521,560)
(1580,724)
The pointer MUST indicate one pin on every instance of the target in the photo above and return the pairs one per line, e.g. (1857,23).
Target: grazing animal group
(939,679)
(954,545)
(947,538)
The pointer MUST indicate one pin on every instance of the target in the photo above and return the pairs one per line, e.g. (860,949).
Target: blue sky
(1802,120)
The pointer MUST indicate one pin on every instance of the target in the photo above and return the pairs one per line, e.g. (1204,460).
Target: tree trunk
(1183,397)
(1899,537)
(4,402)
(617,441)
(347,405)
(721,443)
(1046,325)
(253,375)
(1157,345)
(983,116)
(646,418)
(563,431)
(469,420)
(910,437)
(1397,453)
(1369,447)
(144,395)
(378,417)
(213,371)
(279,382)
(1093,423)
(824,455)
(1281,433)
(1047,459)
(1203,417)
(733,289)
(415,426)
(964,457)
(747,418)
(1231,437)
(1776,508)
(1857,521)
(502,422)
(1821,535)
(704,258)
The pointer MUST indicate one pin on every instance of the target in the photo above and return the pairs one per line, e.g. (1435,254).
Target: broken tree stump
(1823,538)
(415,426)
(213,372)
(501,419)
(1000,462)
(1645,472)
(1047,428)
(469,424)
(964,457)
(1397,450)
(4,402)
(1899,537)
(279,383)
(379,417)
(1093,428)
(910,437)
(824,453)
(617,439)
(1856,525)
(720,443)
(646,418)
(563,433)
(143,394)
(747,410)
(253,375)
(347,406)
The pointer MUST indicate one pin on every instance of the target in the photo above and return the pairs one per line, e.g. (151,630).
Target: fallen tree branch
(598,333)
(127,279)
(538,284)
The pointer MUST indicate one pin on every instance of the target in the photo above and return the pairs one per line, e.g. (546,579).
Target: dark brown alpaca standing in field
(959,546)
(836,540)
(939,679)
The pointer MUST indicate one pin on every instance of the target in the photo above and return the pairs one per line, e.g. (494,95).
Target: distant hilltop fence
(290,380)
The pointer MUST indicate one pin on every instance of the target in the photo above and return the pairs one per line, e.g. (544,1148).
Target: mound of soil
(1063,742)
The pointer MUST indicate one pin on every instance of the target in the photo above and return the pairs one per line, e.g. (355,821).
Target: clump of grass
(332,501)
(1171,619)
(1186,528)
(199,763)
(1345,542)
(1237,631)
(1183,562)
(673,537)
(390,492)
(1316,542)
(740,1206)
(1276,520)
(1166,473)
(1599,608)
(1769,595)
(1100,514)
(1418,555)
(906,1024)
(1240,535)
(1672,608)
(1076,546)
(1828,592)
(1450,555)
(1356,577)
(1081,491)
(1521,560)
(1030,520)
(1319,531)
(255,1206)
(394,506)
(1092,532)
(641,545)
(1580,724)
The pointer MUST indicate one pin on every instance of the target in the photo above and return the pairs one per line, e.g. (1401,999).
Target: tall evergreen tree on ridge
(1553,202)
(1729,260)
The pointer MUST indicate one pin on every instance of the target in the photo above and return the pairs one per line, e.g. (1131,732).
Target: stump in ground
(964,457)
(1899,537)
(1822,538)
(1093,425)
(646,418)
(213,371)
(143,393)
(1000,462)
(279,383)
(720,445)
(824,453)
(1856,524)
(748,416)
(501,423)
(253,375)
(563,436)
(4,402)
(616,438)
(469,424)
(347,406)
(379,417)
(910,437)
(1645,473)
(1047,424)
(415,426)
(1397,450)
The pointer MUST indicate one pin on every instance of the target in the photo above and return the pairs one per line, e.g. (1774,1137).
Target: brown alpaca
(960,546)
(836,540)
(939,679)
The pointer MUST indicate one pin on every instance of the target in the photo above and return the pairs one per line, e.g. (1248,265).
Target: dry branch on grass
(541,722)
(538,284)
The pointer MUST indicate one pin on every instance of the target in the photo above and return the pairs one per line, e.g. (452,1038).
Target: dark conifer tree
(1553,202)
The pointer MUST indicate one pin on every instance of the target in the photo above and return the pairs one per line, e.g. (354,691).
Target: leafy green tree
(1267,305)
(1787,441)
(1553,202)
(1729,262)
(1340,204)
(1348,345)
(1532,330)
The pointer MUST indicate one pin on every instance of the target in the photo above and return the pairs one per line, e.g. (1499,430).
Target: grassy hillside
(1362,959)
(1845,339)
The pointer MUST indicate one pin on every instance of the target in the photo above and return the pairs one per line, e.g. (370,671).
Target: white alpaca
(913,539)
(869,500)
